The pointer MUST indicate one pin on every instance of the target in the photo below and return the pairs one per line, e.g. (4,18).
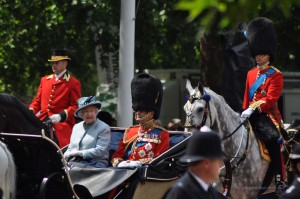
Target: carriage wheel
(55,186)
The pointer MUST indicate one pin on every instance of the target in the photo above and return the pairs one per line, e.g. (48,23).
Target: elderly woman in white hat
(90,138)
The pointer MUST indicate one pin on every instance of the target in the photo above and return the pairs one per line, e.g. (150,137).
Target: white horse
(205,107)
(7,173)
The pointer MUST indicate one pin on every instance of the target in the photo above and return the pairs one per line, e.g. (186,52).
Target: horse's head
(197,107)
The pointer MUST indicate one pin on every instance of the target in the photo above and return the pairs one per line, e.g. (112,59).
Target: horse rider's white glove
(128,163)
(55,118)
(247,113)
(73,154)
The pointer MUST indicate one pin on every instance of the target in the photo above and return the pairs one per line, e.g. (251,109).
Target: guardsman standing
(264,85)
(57,97)
(145,141)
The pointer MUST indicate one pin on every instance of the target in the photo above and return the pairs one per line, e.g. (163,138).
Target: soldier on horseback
(264,85)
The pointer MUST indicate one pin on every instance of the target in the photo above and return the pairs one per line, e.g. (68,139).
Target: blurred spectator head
(175,125)
(106,117)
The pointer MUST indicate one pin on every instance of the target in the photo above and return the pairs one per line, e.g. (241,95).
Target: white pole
(126,62)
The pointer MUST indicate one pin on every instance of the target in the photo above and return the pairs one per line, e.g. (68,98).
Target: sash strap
(259,81)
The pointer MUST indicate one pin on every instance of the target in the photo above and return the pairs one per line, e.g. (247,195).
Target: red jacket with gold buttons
(58,97)
(142,146)
(266,96)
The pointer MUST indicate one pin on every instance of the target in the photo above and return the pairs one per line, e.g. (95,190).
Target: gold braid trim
(116,161)
(257,104)
(127,142)
(275,69)
(145,160)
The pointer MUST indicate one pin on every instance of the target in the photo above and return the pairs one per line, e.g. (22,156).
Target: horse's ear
(189,86)
(200,88)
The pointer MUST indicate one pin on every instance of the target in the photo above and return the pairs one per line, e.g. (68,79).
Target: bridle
(207,112)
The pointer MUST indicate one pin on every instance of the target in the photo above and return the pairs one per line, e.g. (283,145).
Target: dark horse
(15,117)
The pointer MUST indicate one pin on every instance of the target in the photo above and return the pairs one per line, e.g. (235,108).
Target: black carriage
(43,173)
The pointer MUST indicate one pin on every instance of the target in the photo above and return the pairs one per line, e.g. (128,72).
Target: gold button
(51,96)
(48,110)
(52,90)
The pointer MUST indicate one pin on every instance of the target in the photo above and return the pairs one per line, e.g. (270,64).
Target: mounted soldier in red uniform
(264,85)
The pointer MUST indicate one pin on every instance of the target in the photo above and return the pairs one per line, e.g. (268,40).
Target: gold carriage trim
(257,104)
(116,161)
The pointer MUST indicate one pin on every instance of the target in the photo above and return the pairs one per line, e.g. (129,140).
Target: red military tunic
(54,97)
(266,96)
(141,145)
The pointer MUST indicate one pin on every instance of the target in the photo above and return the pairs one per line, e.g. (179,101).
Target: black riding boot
(275,155)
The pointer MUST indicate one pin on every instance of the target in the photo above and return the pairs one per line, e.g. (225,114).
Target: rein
(227,181)
(235,130)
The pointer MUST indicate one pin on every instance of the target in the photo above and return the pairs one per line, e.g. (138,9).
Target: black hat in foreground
(203,145)
(146,93)
(262,38)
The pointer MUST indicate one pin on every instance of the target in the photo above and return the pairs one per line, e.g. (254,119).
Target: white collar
(298,179)
(200,181)
(60,74)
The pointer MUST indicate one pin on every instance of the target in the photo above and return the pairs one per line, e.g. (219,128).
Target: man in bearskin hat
(293,192)
(145,141)
(204,158)
(264,85)
(57,97)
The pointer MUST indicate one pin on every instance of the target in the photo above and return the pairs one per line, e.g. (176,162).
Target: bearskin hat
(262,38)
(146,93)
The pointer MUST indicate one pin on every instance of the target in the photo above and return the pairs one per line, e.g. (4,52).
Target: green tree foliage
(30,29)
(221,15)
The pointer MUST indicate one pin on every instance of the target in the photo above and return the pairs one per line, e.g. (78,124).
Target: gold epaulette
(257,104)
(49,76)
(275,69)
(125,141)
(160,127)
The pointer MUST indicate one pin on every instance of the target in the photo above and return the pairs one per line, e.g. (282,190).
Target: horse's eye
(200,109)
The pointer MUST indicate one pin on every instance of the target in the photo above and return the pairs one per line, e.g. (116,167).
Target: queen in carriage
(90,138)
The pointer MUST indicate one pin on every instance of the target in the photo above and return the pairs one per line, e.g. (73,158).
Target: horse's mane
(11,101)
(228,117)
